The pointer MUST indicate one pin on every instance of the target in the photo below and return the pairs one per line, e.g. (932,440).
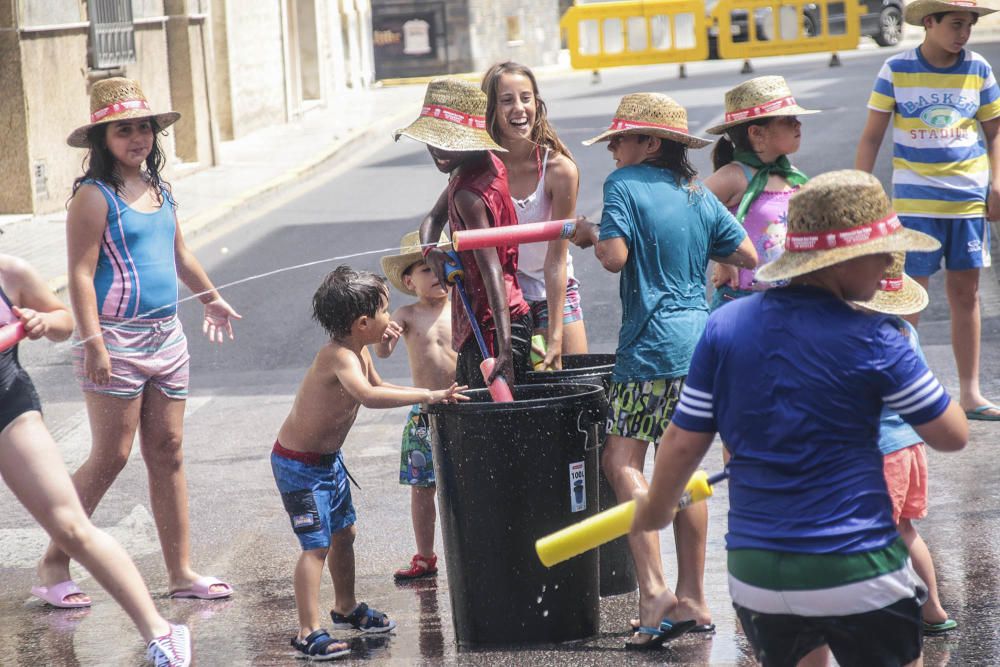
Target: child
(31,465)
(543,181)
(814,556)
(905,463)
(308,466)
(426,328)
(659,228)
(126,254)
(753,176)
(938,95)
(452,123)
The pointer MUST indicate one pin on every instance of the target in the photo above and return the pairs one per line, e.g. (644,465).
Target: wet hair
(736,138)
(345,295)
(673,155)
(939,16)
(99,164)
(542,133)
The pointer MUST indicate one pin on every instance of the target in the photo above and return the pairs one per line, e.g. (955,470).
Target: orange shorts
(906,477)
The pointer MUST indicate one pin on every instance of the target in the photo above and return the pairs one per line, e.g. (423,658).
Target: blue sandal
(363,618)
(658,636)
(314,647)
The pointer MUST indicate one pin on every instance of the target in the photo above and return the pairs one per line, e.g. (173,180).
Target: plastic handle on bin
(11,335)
(499,390)
(611,524)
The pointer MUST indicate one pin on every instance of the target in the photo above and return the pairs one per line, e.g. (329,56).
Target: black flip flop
(660,635)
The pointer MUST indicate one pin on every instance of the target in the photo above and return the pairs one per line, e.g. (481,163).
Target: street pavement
(363,201)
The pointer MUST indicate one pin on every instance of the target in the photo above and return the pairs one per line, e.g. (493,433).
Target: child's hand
(586,233)
(436,260)
(96,361)
(218,319)
(36,324)
(450,395)
(723,274)
(392,333)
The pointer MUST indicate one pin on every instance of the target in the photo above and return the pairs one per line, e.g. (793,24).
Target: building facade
(229,67)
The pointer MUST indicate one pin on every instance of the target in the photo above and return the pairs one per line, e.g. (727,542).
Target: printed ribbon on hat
(619,124)
(760,109)
(890,284)
(453,116)
(841,238)
(118,107)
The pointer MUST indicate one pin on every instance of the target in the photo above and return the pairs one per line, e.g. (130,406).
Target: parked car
(882,20)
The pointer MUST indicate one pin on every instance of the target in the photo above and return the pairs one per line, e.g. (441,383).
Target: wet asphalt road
(242,392)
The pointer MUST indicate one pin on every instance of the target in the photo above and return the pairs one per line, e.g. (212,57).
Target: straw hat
(898,293)
(916,11)
(762,97)
(838,216)
(453,118)
(653,114)
(117,99)
(410,252)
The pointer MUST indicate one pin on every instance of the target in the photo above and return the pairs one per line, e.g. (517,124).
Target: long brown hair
(542,133)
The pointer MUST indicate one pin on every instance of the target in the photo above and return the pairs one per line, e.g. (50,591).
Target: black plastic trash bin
(616,564)
(508,474)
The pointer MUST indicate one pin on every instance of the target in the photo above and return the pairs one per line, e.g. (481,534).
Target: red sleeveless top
(490,185)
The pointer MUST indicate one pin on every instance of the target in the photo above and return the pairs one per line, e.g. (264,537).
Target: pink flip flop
(202,589)
(56,595)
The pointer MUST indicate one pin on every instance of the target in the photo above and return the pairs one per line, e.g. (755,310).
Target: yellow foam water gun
(612,523)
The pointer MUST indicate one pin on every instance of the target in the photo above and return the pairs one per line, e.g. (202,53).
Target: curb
(199,221)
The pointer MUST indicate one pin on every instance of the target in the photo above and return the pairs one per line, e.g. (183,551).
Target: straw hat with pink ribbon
(651,114)
(838,216)
(453,118)
(898,293)
(118,99)
(762,97)
(916,11)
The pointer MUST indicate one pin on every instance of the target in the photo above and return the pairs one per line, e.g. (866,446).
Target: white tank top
(536,207)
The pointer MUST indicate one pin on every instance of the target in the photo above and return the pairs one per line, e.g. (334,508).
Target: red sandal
(419,567)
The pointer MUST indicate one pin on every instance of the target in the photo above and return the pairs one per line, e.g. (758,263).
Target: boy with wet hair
(426,327)
(308,466)
(938,95)
(794,380)
(452,123)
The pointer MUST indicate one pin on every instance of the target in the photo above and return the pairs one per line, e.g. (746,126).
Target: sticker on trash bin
(577,486)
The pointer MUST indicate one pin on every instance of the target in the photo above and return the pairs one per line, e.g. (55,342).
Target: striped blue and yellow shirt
(940,165)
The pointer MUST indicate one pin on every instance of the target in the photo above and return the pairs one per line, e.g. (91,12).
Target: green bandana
(781,166)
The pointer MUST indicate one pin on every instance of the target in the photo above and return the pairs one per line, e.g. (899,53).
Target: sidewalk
(248,168)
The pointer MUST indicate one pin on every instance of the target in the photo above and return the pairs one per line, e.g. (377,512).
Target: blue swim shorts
(416,467)
(965,244)
(315,492)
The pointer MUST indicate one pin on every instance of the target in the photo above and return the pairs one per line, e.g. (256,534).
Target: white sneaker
(172,649)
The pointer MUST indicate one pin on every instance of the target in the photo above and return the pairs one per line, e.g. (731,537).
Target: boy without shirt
(426,328)
(353,307)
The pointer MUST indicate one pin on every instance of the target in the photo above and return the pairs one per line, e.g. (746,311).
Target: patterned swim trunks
(416,467)
(641,410)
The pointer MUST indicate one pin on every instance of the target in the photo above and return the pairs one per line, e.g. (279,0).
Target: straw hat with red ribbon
(838,216)
(898,293)
(652,114)
(762,97)
(453,118)
(117,99)
(916,11)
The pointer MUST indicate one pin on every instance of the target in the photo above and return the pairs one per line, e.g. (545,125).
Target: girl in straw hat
(452,123)
(126,253)
(31,465)
(659,227)
(543,182)
(905,463)
(813,553)
(753,176)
